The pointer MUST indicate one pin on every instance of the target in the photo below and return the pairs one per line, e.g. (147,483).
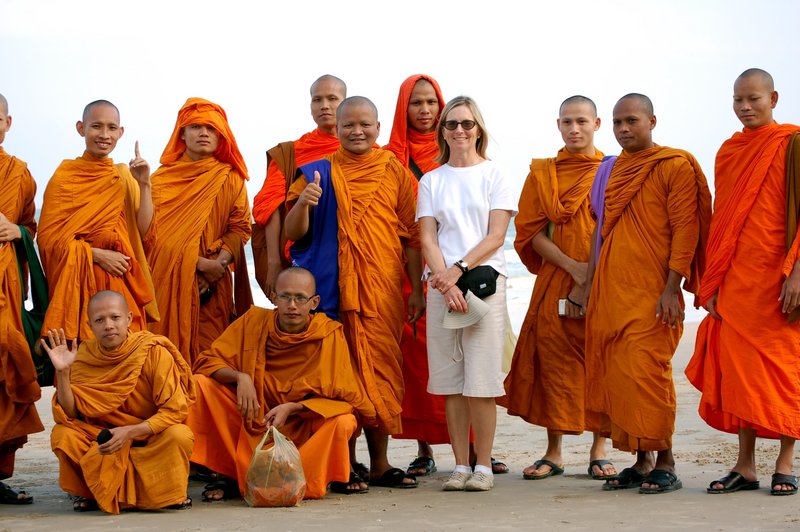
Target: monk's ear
(653,122)
(121,131)
(773,99)
(378,127)
(314,302)
(597,123)
(80,127)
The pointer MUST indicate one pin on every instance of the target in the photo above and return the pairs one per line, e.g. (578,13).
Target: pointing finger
(136,150)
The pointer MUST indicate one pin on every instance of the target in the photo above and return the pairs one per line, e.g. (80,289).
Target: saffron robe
(746,365)
(375,212)
(423,413)
(92,203)
(18,388)
(313,368)
(546,384)
(657,210)
(144,379)
(201,208)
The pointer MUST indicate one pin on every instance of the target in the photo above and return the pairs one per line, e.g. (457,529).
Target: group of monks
(163,368)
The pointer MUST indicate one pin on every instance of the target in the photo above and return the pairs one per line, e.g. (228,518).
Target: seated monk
(119,407)
(285,368)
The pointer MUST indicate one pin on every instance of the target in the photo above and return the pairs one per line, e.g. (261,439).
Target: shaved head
(302,273)
(96,103)
(644,101)
(763,75)
(3,105)
(356,101)
(330,78)
(104,295)
(578,99)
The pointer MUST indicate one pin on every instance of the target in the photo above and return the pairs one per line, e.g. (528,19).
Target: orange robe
(747,365)
(313,368)
(311,147)
(18,388)
(92,203)
(423,414)
(657,208)
(546,384)
(145,379)
(376,209)
(201,208)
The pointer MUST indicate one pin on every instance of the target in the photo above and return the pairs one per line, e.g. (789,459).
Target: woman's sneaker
(456,482)
(479,481)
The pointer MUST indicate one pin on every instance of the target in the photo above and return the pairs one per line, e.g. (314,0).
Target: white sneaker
(456,482)
(480,481)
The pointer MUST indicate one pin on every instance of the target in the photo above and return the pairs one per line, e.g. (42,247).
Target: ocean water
(518,288)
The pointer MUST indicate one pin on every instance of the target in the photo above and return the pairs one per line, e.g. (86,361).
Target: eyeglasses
(453,124)
(300,300)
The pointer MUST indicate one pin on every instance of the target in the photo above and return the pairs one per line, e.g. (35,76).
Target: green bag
(33,319)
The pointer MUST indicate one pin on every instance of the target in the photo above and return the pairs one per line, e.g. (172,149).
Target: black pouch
(481,281)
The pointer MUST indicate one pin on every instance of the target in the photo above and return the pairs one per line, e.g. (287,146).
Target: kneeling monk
(132,391)
(284,368)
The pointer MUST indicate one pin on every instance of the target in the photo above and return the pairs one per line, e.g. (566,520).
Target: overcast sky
(519,60)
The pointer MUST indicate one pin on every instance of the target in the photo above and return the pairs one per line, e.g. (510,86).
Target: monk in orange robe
(18,388)
(747,355)
(95,221)
(284,368)
(413,141)
(121,399)
(201,224)
(355,217)
(655,214)
(546,384)
(270,250)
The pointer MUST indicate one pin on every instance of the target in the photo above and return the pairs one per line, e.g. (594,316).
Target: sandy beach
(569,502)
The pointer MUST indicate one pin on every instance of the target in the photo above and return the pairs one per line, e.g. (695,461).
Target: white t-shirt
(460,200)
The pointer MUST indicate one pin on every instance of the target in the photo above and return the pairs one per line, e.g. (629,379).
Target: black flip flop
(342,487)
(627,479)
(732,482)
(393,478)
(555,469)
(600,464)
(422,462)
(9,496)
(229,488)
(82,504)
(779,479)
(665,480)
(185,505)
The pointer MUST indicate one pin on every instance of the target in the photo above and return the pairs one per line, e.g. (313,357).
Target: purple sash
(598,198)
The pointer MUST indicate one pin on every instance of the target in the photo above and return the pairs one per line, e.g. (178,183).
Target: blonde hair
(483,139)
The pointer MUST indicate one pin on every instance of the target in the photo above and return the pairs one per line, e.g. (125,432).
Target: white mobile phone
(562,307)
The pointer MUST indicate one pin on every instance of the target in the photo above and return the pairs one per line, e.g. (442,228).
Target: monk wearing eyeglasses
(351,216)
(269,243)
(653,217)
(200,226)
(286,368)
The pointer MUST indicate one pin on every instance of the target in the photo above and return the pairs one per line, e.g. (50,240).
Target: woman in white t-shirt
(463,209)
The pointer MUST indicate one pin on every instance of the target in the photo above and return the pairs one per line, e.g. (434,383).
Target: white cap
(477,309)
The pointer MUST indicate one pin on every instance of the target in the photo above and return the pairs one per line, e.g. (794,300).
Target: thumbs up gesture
(311,194)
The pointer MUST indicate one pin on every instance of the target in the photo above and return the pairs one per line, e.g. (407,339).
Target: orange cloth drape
(145,379)
(311,147)
(201,207)
(313,368)
(407,143)
(546,384)
(657,207)
(747,365)
(376,209)
(423,414)
(18,388)
(92,203)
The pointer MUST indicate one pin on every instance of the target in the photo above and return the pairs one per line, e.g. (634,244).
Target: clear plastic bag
(275,476)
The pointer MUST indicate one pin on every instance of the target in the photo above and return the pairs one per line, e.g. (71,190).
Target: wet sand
(569,502)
